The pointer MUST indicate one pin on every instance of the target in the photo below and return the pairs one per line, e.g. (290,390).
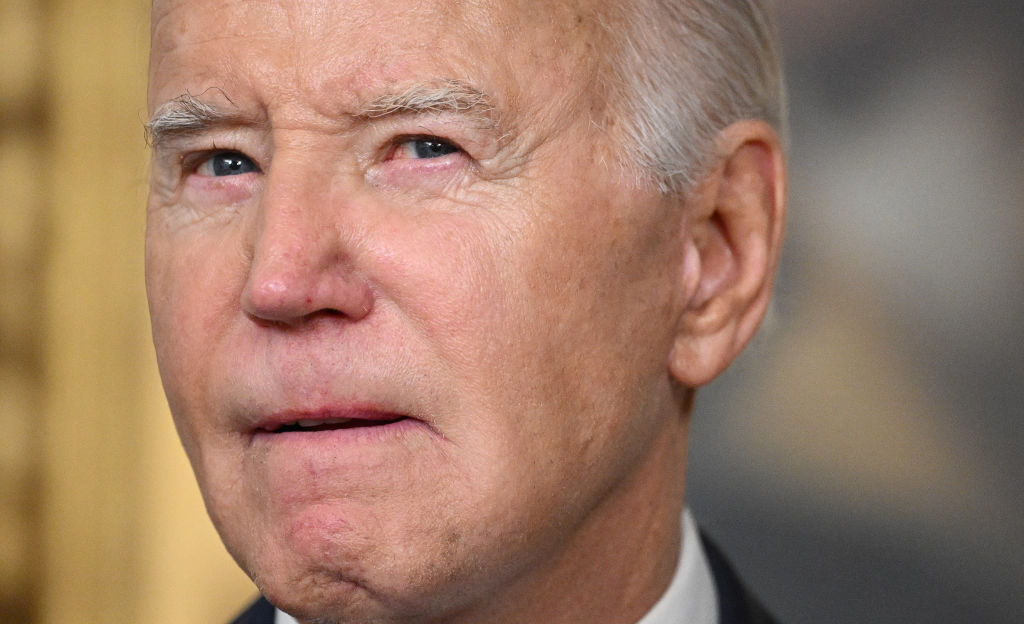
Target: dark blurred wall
(864,461)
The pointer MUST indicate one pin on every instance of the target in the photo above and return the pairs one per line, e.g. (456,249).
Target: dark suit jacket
(735,604)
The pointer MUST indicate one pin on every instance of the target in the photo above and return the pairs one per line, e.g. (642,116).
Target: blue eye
(227,164)
(422,148)
(432,148)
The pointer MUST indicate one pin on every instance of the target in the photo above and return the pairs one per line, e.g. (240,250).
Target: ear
(732,239)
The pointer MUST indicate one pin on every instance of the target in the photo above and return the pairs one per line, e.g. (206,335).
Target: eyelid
(189,148)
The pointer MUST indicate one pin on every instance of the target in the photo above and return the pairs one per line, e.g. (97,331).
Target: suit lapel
(259,612)
(736,605)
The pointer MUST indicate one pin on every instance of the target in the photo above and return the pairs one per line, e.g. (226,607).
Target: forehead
(309,49)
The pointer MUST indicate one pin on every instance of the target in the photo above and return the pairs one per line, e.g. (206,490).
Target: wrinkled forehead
(366,40)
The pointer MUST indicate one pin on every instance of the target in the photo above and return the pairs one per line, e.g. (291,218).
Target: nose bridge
(302,253)
(292,229)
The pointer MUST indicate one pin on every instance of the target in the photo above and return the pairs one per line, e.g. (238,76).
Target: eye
(422,148)
(226,164)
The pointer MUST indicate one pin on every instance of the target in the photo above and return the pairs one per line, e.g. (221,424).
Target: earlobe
(734,234)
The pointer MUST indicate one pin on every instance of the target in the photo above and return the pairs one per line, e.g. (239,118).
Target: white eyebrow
(452,96)
(187,115)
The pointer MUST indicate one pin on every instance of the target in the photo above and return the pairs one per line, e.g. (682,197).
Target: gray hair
(683,71)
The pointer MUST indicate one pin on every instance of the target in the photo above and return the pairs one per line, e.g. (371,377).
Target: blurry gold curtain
(100,520)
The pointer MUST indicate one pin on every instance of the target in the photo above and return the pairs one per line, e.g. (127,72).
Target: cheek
(446,275)
(591,322)
(193,291)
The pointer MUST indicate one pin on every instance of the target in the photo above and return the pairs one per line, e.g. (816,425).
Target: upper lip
(324,417)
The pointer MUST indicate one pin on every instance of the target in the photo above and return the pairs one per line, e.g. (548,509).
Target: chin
(330,588)
(326,596)
(324,599)
(319,568)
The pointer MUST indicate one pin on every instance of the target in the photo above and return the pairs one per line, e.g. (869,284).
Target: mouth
(352,427)
(330,423)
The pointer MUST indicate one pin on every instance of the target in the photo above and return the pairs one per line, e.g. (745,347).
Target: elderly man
(433,284)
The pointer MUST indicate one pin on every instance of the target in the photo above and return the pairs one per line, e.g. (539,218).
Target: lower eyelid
(429,165)
(222,190)
(422,173)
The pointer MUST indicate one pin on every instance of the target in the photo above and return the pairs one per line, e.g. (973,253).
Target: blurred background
(861,463)
(864,461)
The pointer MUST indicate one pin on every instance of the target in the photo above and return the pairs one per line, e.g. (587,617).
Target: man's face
(412,324)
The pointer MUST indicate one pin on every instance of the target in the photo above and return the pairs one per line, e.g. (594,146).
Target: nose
(304,255)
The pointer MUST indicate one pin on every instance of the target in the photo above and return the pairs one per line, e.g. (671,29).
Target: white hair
(684,70)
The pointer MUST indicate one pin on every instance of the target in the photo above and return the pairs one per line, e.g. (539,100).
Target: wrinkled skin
(514,300)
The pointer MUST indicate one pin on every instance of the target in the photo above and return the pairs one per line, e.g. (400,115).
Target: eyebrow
(451,96)
(187,115)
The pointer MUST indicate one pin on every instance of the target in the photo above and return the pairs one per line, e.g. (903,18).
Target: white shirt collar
(689,599)
(280,617)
